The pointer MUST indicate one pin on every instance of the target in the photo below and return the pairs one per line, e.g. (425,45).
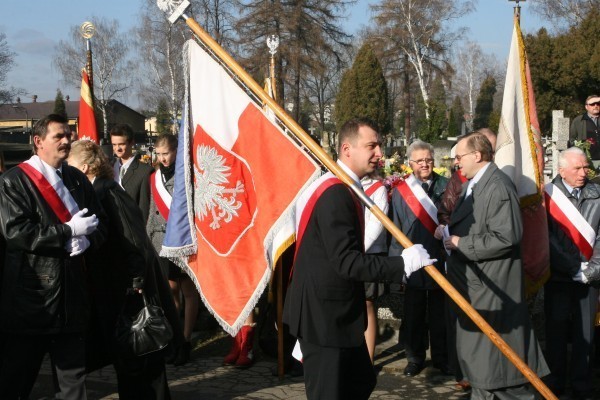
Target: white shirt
(375,233)
(119,166)
(476,179)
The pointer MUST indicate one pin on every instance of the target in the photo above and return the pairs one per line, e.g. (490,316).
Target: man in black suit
(325,303)
(130,173)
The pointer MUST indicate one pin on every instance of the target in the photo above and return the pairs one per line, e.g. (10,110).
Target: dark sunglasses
(594,104)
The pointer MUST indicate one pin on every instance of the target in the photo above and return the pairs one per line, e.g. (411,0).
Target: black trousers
(422,309)
(333,373)
(142,378)
(22,356)
(570,306)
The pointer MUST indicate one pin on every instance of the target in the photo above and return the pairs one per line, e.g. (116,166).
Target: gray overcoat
(487,271)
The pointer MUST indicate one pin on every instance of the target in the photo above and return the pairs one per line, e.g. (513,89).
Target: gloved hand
(77,245)
(81,225)
(580,276)
(415,257)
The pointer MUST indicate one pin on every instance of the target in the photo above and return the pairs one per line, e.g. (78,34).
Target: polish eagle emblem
(214,198)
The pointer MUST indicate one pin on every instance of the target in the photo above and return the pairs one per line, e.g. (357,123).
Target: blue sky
(34,27)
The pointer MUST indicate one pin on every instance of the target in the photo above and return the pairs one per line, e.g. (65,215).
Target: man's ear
(477,156)
(344,148)
(36,141)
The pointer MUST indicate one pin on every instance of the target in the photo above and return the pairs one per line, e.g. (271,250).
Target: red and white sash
(373,188)
(51,187)
(418,202)
(160,194)
(570,220)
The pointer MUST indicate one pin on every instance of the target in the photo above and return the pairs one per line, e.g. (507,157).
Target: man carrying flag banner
(87,118)
(237,179)
(519,154)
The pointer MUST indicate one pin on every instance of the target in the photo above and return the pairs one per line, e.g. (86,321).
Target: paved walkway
(205,378)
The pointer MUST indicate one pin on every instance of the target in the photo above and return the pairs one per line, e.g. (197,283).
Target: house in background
(18,119)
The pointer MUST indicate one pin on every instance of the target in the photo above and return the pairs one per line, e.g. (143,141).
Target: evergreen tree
(456,118)
(59,104)
(345,102)
(485,103)
(163,117)
(363,92)
(564,68)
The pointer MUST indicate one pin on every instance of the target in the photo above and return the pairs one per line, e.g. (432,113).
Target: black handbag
(145,332)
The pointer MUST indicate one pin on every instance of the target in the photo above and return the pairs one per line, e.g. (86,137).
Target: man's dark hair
(123,130)
(41,126)
(477,141)
(349,131)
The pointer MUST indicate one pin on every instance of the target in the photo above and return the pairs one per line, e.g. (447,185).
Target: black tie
(59,173)
(575,193)
(425,187)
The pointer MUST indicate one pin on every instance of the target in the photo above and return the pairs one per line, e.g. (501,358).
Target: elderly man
(48,218)
(325,303)
(485,267)
(585,126)
(414,210)
(570,300)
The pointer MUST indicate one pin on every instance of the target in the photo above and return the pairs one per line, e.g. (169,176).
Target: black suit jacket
(325,303)
(136,183)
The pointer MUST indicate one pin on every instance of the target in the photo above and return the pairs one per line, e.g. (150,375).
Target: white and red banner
(87,119)
(570,220)
(237,178)
(161,196)
(519,153)
(418,202)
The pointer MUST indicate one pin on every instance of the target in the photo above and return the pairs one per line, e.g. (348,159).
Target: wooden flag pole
(328,162)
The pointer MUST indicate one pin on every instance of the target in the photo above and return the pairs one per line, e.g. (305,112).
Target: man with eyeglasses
(585,126)
(485,266)
(414,211)
(571,294)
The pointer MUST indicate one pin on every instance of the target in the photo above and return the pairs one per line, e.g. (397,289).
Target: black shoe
(170,354)
(413,369)
(443,368)
(183,354)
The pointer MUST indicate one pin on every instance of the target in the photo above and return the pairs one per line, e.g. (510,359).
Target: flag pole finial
(87,30)
(273,44)
(517,10)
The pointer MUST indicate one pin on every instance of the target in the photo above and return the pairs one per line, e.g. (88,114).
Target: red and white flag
(237,179)
(519,153)
(87,118)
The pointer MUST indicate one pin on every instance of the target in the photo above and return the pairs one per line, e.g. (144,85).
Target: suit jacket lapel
(130,171)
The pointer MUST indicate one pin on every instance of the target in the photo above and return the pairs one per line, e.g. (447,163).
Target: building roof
(40,109)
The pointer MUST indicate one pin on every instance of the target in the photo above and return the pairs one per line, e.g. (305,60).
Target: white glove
(415,257)
(580,276)
(81,225)
(77,245)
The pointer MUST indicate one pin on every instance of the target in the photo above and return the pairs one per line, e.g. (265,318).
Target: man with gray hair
(414,209)
(570,298)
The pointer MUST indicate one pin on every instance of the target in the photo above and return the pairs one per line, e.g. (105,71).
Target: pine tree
(59,104)
(363,92)
(163,117)
(485,103)
(456,118)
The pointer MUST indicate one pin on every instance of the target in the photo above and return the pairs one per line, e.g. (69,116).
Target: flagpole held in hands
(175,10)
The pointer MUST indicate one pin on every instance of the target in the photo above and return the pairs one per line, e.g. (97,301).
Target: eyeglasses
(423,161)
(594,104)
(458,157)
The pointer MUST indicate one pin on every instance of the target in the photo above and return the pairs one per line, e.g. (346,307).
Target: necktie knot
(425,186)
(59,173)
(575,193)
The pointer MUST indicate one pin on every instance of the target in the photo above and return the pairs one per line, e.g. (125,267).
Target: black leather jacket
(43,290)
(565,258)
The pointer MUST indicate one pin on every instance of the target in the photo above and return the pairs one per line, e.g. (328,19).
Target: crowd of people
(81,236)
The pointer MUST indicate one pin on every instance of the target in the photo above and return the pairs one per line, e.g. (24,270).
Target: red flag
(519,153)
(241,177)
(87,119)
